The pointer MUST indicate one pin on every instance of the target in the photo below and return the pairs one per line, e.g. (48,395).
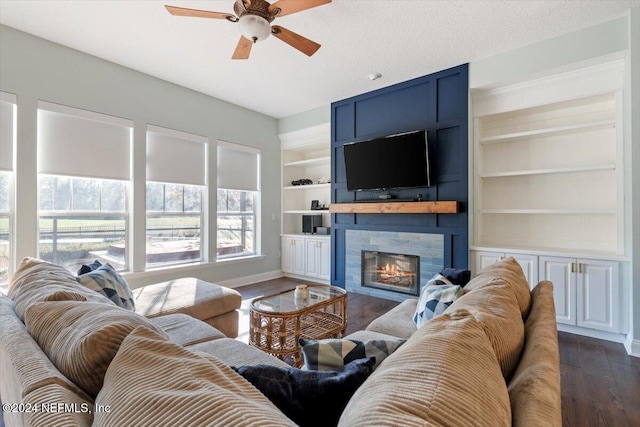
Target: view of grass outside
(82,219)
(5,249)
(236,223)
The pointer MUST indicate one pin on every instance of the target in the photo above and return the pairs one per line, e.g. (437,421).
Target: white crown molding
(248,280)
(588,81)
(312,135)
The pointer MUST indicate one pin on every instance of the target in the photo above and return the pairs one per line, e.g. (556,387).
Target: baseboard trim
(593,333)
(307,278)
(249,280)
(633,347)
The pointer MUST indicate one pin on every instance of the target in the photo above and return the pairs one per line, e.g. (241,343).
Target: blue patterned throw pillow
(334,353)
(435,297)
(106,280)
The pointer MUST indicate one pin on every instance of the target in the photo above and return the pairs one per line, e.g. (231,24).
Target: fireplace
(391,272)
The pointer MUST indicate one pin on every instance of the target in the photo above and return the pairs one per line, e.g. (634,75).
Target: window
(83,181)
(176,177)
(7,138)
(238,200)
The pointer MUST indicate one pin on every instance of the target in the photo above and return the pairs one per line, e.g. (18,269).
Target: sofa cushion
(397,321)
(195,297)
(509,271)
(36,280)
(81,338)
(77,411)
(535,385)
(445,374)
(182,389)
(107,281)
(23,365)
(495,307)
(435,297)
(236,353)
(299,394)
(185,330)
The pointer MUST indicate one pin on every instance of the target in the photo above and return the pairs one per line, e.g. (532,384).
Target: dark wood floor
(600,382)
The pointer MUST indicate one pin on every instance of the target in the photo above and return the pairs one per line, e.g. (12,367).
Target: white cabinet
(318,258)
(307,255)
(293,255)
(586,292)
(529,263)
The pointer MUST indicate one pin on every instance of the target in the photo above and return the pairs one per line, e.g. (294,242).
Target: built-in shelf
(549,211)
(555,131)
(307,187)
(317,161)
(395,207)
(548,171)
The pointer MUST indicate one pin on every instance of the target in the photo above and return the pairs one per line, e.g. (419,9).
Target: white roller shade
(176,157)
(7,106)
(238,167)
(83,143)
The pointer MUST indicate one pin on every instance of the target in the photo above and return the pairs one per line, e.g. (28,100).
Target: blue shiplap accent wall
(437,102)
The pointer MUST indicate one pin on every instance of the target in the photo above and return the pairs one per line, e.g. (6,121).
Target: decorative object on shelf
(310,223)
(302,182)
(254,21)
(301,296)
(324,180)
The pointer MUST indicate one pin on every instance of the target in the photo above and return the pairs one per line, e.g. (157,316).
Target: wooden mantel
(395,207)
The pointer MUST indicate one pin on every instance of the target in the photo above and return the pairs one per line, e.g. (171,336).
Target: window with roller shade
(238,200)
(7,142)
(84,172)
(176,180)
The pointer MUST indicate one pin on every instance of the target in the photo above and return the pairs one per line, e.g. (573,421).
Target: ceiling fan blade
(304,45)
(243,49)
(196,13)
(287,7)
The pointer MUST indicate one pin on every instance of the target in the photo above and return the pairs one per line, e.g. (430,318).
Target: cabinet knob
(573,267)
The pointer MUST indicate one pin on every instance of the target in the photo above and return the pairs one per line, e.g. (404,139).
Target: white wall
(306,119)
(35,69)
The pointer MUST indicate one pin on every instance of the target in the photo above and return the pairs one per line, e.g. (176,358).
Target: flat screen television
(396,161)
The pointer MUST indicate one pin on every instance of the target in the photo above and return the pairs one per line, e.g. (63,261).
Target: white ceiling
(401,39)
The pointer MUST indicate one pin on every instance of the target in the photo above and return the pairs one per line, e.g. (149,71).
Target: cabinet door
(324,257)
(485,259)
(598,293)
(529,264)
(312,263)
(293,255)
(561,272)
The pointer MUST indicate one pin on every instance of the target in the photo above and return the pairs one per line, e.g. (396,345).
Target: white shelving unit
(548,178)
(306,154)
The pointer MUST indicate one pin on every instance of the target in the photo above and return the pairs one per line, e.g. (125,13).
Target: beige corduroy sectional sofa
(72,358)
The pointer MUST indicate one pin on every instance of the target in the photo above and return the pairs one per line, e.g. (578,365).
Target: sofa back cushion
(495,307)
(180,389)
(534,389)
(445,374)
(23,366)
(509,271)
(36,280)
(81,338)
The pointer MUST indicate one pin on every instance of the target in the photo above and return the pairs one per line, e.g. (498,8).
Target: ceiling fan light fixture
(254,27)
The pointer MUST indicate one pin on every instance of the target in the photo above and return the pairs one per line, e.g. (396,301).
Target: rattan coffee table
(277,322)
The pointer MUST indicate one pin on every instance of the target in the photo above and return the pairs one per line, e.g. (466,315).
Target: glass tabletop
(285,302)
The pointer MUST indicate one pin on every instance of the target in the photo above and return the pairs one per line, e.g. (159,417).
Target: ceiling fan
(254,18)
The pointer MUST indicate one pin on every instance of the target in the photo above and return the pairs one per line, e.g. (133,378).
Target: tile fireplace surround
(429,247)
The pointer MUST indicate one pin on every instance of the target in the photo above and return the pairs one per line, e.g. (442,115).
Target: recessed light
(374,76)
